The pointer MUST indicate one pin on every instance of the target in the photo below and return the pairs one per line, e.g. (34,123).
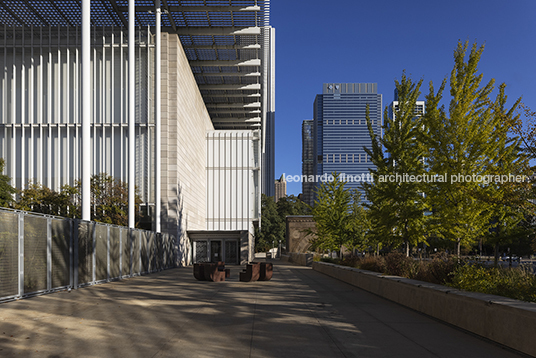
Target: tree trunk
(407,248)
(458,248)
(496,258)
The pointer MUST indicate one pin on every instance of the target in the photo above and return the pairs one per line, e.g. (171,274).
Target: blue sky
(375,40)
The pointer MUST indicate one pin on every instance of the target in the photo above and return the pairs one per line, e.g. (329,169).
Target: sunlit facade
(195,94)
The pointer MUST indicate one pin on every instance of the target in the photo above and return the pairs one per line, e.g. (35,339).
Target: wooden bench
(257,271)
(267,269)
(251,273)
(210,271)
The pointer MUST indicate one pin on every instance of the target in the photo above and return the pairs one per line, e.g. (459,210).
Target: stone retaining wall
(298,258)
(506,321)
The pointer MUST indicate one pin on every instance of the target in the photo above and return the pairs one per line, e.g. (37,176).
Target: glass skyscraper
(340,131)
(307,160)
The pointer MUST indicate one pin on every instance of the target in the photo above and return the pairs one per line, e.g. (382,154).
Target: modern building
(340,131)
(280,188)
(307,161)
(393,108)
(175,98)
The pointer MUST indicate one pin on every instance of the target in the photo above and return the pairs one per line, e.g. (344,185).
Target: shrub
(398,264)
(352,261)
(517,283)
(441,269)
(372,263)
(330,260)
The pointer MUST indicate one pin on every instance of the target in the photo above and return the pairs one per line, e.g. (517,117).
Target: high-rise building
(280,188)
(393,108)
(307,161)
(268,148)
(340,131)
(180,107)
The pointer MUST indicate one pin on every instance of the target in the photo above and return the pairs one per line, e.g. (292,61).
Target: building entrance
(215,251)
(226,250)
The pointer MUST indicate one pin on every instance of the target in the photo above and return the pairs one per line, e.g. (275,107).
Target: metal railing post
(108,254)
(21,253)
(94,253)
(49,254)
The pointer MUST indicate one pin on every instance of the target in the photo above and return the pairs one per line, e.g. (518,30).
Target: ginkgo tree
(340,220)
(397,206)
(463,143)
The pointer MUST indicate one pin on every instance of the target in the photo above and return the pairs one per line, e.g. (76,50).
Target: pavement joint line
(335,342)
(305,313)
(253,323)
(375,317)
(166,341)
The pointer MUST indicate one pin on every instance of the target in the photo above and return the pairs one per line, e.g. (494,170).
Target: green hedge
(518,283)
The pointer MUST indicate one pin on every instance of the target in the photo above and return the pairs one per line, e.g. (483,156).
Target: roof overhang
(223,41)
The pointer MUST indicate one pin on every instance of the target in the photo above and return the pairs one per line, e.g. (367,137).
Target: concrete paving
(299,313)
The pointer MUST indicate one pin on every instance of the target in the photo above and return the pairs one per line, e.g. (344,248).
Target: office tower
(393,108)
(280,188)
(340,131)
(181,107)
(268,130)
(307,161)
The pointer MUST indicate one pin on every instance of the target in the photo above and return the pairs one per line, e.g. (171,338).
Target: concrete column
(131,113)
(86,110)
(158,118)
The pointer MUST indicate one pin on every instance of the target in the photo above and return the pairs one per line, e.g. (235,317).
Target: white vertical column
(112,114)
(13,111)
(131,112)
(68,169)
(104,152)
(40,109)
(31,113)
(157,119)
(56,183)
(49,119)
(86,110)
(3,113)
(76,109)
(94,144)
(23,156)
(121,109)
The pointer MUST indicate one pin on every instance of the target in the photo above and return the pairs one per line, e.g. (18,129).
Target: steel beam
(225,63)
(233,95)
(237,120)
(236,125)
(219,31)
(234,105)
(120,13)
(229,74)
(243,111)
(254,86)
(195,8)
(224,47)
(169,16)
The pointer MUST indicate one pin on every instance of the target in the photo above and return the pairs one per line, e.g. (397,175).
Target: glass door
(215,251)
(231,252)
(201,251)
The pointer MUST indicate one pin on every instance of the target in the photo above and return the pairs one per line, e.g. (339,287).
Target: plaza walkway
(300,313)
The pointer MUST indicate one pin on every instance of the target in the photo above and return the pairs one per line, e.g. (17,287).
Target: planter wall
(506,321)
